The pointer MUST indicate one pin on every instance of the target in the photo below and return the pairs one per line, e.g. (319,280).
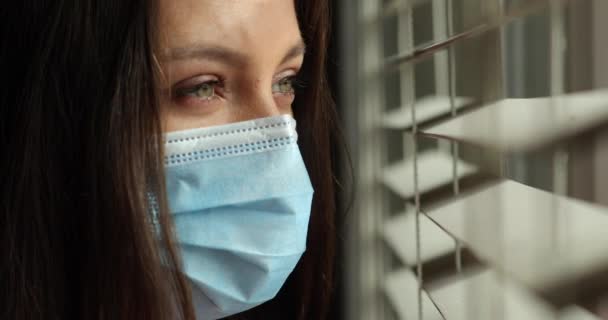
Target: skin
(225,61)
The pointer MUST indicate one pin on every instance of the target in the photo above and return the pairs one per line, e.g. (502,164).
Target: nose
(258,103)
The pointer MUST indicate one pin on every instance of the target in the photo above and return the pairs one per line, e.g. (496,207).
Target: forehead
(244,25)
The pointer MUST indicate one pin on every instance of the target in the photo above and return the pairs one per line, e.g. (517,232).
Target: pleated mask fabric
(240,197)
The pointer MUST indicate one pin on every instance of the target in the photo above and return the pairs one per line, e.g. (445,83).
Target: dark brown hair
(80,130)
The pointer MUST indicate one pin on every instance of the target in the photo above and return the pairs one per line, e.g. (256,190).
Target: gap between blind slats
(425,50)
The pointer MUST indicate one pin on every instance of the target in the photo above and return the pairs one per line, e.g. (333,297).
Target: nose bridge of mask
(227,140)
(234,164)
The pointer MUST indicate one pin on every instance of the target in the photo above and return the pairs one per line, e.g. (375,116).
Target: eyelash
(190,91)
(187,92)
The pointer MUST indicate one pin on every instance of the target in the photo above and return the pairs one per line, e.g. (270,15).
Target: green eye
(284,86)
(205,90)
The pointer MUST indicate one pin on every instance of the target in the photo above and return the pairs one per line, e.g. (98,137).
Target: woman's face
(225,61)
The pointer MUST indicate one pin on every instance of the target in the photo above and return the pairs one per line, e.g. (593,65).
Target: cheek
(284,101)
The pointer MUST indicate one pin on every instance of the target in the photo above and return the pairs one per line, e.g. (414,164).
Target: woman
(93,221)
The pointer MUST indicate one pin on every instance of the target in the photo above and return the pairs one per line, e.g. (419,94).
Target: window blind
(466,115)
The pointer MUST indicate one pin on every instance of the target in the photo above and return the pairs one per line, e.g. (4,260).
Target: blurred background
(478,135)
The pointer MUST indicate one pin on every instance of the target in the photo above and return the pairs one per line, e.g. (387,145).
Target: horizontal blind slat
(399,233)
(401,288)
(552,244)
(436,168)
(525,124)
(427,108)
(482,295)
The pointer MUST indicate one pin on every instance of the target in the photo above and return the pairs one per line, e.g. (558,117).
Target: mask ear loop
(154,211)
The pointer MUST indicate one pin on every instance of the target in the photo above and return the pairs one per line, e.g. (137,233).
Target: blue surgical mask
(240,198)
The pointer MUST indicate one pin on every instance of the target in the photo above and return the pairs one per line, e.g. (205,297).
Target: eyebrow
(223,55)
